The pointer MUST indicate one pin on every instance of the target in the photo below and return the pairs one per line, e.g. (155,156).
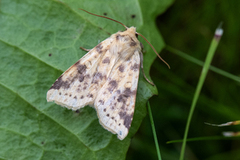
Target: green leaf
(40,40)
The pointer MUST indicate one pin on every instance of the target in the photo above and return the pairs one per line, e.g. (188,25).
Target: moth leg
(85,49)
(141,61)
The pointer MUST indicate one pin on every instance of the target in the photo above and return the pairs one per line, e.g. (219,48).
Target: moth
(106,78)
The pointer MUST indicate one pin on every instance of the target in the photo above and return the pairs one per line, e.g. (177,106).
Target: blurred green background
(189,26)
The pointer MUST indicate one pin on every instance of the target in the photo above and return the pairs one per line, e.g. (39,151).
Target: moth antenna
(104,17)
(154,50)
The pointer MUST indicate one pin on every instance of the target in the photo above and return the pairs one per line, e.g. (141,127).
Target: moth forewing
(115,102)
(78,85)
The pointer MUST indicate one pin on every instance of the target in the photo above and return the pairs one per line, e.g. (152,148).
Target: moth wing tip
(122,134)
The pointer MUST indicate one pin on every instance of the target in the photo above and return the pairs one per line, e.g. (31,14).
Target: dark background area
(189,26)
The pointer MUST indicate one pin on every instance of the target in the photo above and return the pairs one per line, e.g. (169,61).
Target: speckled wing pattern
(105,78)
(79,85)
(115,102)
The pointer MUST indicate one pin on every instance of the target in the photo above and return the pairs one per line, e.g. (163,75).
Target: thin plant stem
(154,131)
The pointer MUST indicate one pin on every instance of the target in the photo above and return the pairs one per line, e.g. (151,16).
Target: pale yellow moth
(105,78)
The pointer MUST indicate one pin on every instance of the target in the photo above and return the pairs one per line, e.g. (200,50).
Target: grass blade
(211,51)
(154,131)
(200,63)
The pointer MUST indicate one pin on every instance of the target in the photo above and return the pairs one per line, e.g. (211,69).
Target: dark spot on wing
(127,119)
(122,114)
(112,107)
(121,68)
(60,83)
(127,92)
(60,93)
(97,77)
(101,102)
(75,97)
(90,95)
(85,85)
(121,98)
(117,36)
(118,91)
(82,97)
(135,67)
(70,95)
(81,68)
(112,85)
(57,84)
(81,78)
(99,48)
(78,90)
(108,115)
(125,95)
(106,60)
(133,43)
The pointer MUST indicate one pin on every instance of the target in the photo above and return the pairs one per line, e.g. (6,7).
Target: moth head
(132,30)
